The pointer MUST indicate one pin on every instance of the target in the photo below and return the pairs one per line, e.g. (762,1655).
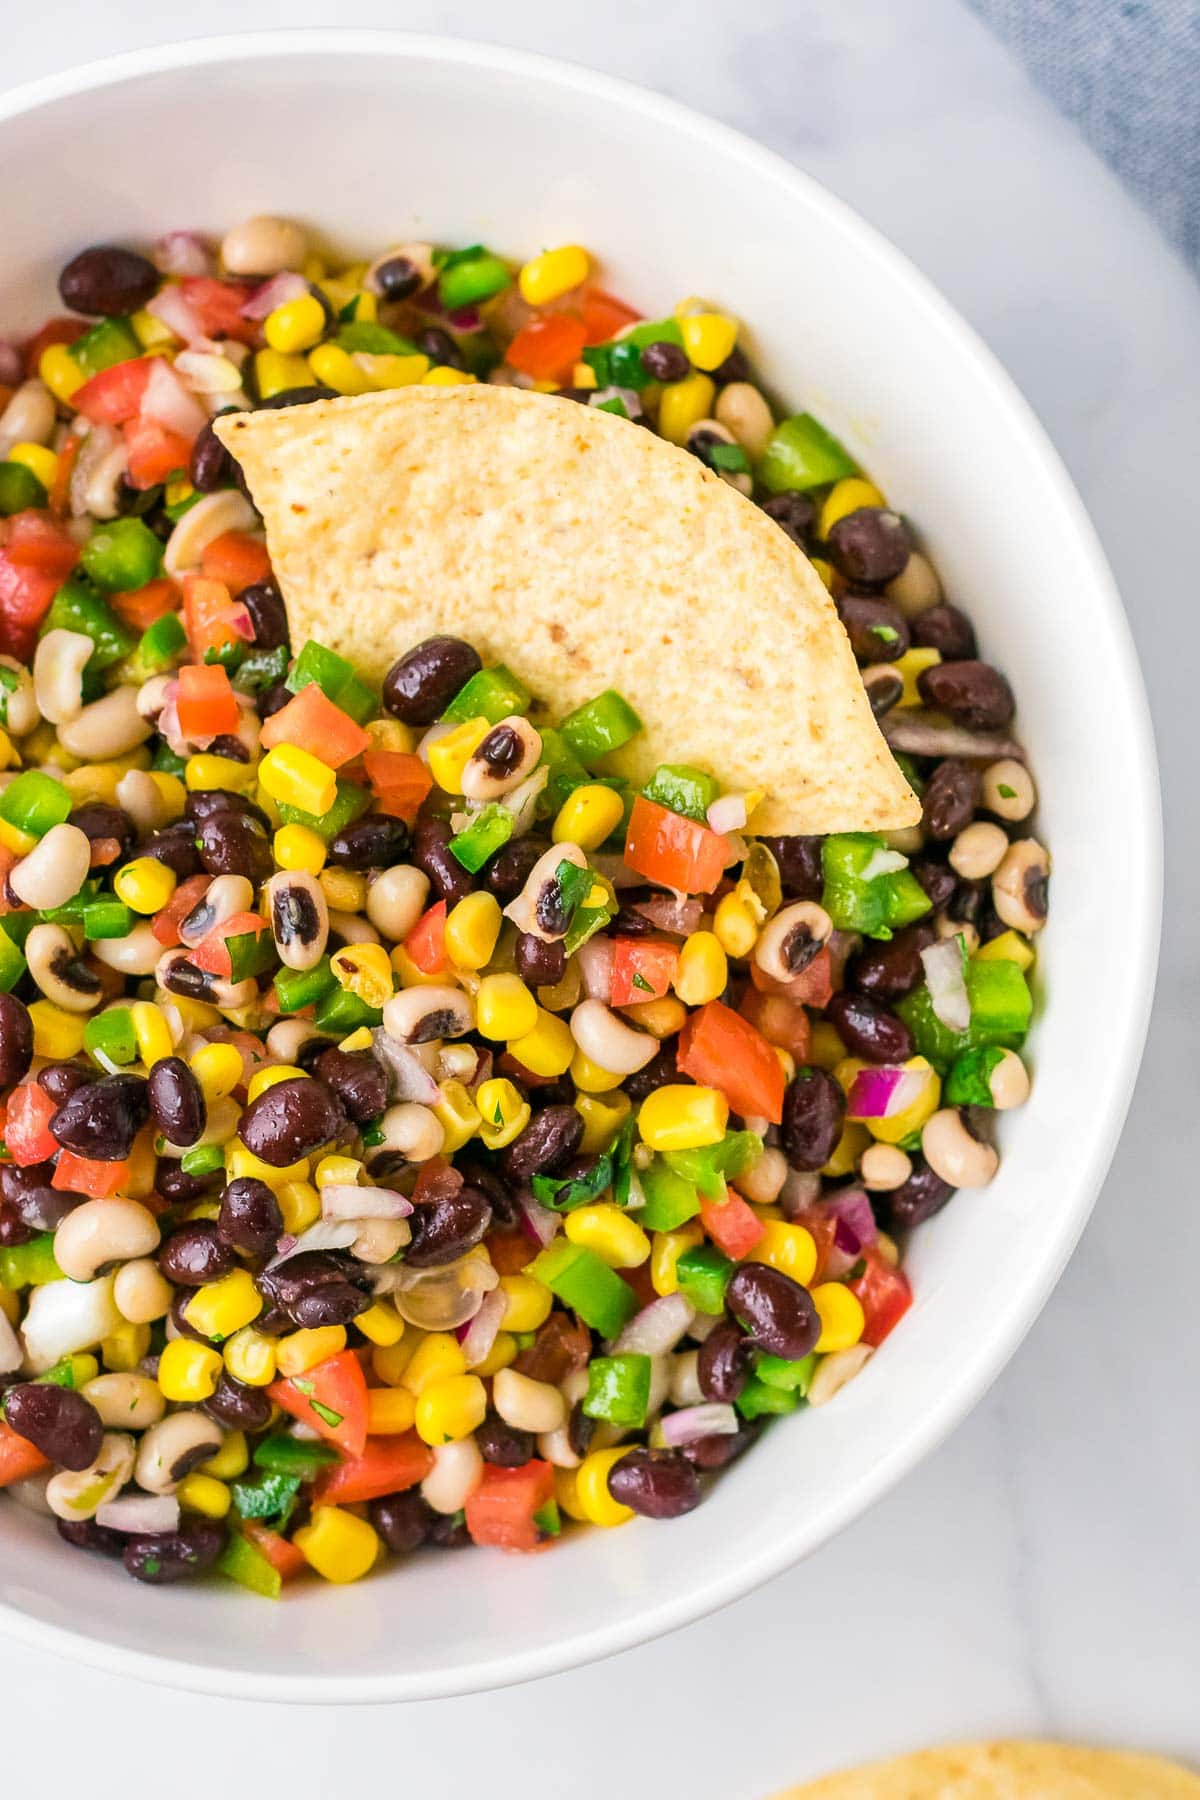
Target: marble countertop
(1040,1575)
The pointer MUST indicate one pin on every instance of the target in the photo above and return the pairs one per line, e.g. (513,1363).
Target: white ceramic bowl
(381,138)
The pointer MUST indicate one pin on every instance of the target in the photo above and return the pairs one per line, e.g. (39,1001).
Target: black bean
(30,1198)
(447,1227)
(510,868)
(16,1040)
(551,1137)
(107,281)
(291,1120)
(946,629)
(723,1362)
(272,700)
(420,685)
(868,1029)
(799,860)
(664,362)
(60,1080)
(181,1325)
(175,847)
(503,1444)
(935,878)
(297,396)
(950,798)
(210,465)
(814,1110)
(205,803)
(57,1421)
(722,1448)
(916,1199)
(736,367)
(441,350)
(580,1430)
(661,1071)
(318,1287)
(403,1521)
(973,693)
(237,1406)
(430,853)
(177,1102)
(794,513)
(659,1484)
(877,629)
(356,1079)
(102,1118)
(494,1188)
(448,1531)
(230,747)
(162,1556)
(232,844)
(397,278)
(538,963)
(375,842)
(268,615)
(250,1218)
(181,1189)
(13,1229)
(869,545)
(776,1311)
(194,1254)
(97,819)
(85,1534)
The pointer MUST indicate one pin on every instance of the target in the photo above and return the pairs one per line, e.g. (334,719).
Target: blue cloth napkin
(1128,72)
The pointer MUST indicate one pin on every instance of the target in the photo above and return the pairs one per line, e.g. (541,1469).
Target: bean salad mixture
(413,1135)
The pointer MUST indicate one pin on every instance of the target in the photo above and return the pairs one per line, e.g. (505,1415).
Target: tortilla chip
(1009,1771)
(587,553)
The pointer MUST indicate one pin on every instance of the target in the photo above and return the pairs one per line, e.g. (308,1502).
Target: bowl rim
(973,1375)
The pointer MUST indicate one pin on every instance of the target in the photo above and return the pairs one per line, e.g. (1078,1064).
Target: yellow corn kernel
(546,1050)
(194,1015)
(679,1117)
(789,1248)
(10,1305)
(392,371)
(503,1112)
(296,325)
(610,1233)
(171,793)
(60,372)
(389,1361)
(1009,946)
(297,847)
(345,890)
(206,771)
(587,816)
(912,664)
(304,1349)
(888,1249)
(504,1008)
(844,498)
(150,332)
(590,1078)
(702,969)
(854,1140)
(408,974)
(602,1119)
(591,1488)
(502,1352)
(441,375)
(389,1410)
(566,1492)
(449,755)
(825,1047)
(363,969)
(708,338)
(239,1162)
(271,1076)
(391,734)
(584,376)
(824,571)
(337,1544)
(381,1324)
(552,274)
(336,368)
(841,1316)
(178,487)
(472,928)
(16,840)
(449,1410)
(457,1114)
(38,460)
(300,1204)
(124,1348)
(735,926)
(662,1018)
(274,373)
(682,405)
(57,1035)
(151,1033)
(438,1357)
(205,1495)
(145,884)
(295,777)
(188,1371)
(218,1068)
(231,1460)
(359,1039)
(337,1171)
(666,1248)
(220,1308)
(528,1302)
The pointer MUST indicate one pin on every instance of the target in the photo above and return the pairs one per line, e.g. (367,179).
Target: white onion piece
(522,802)
(65,1316)
(277,292)
(596,967)
(135,1513)
(944,976)
(207,373)
(481,1334)
(168,402)
(11,1353)
(883,862)
(612,865)
(171,309)
(408,1079)
(677,913)
(182,253)
(728,813)
(326,1234)
(713,1419)
(658,1327)
(343,1200)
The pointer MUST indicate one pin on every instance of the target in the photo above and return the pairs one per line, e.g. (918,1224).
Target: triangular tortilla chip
(587,553)
(1008,1771)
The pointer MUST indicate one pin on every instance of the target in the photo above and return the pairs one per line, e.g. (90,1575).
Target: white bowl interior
(384,139)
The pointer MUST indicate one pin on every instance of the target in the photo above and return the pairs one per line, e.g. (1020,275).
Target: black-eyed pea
(1008,1082)
(224,896)
(173,1448)
(264,245)
(54,871)
(79,1495)
(503,759)
(107,728)
(142,1294)
(418,1015)
(1019,886)
(762,1182)
(916,588)
(1008,790)
(884,1167)
(127,1402)
(954,1154)
(978,850)
(102,1232)
(946,927)
(396,900)
(299,917)
(21,714)
(525,1404)
(834,1371)
(743,411)
(29,417)
(608,1041)
(137,953)
(789,941)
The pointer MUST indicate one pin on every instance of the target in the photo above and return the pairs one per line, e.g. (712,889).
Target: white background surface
(1040,1575)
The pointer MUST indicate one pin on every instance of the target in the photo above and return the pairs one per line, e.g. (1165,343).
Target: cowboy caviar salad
(412,1134)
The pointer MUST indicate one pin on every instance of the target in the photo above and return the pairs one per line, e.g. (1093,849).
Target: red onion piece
(947,983)
(881,1093)
(276,292)
(168,402)
(326,1234)
(135,1513)
(676,913)
(714,1419)
(343,1200)
(171,309)
(480,1334)
(596,967)
(658,1327)
(408,1078)
(537,1222)
(855,1220)
(182,253)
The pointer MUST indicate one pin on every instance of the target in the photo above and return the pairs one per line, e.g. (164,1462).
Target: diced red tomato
(283,1556)
(548,347)
(155,453)
(821,1226)
(388,1465)
(237,559)
(86,1175)
(165,925)
(217,306)
(332,1398)
(503,1509)
(604,315)
(54,331)
(312,721)
(676,852)
(399,779)
(426,942)
(510,1251)
(643,969)
(884,1295)
(781,1021)
(718,1048)
(26,1125)
(206,701)
(209,610)
(18,1457)
(60,488)
(25,597)
(813,986)
(115,395)
(733,1226)
(141,607)
(38,543)
(212,953)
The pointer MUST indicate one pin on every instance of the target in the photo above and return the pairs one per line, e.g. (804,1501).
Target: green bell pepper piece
(470,279)
(800,453)
(122,555)
(343,1012)
(968,1082)
(350,803)
(250,953)
(261,669)
(12,961)
(491,694)
(336,679)
(588,1286)
(618,1389)
(1001,1008)
(31,1264)
(566,771)
(297,988)
(17,927)
(104,344)
(671,1200)
(488,832)
(759,1399)
(617,365)
(241,1562)
(166,761)
(373,339)
(654,331)
(703,1274)
(709,1168)
(206,1159)
(106,917)
(109,1038)
(19,489)
(600,725)
(795,1377)
(682,789)
(159,648)
(875,907)
(34,802)
(301,1457)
